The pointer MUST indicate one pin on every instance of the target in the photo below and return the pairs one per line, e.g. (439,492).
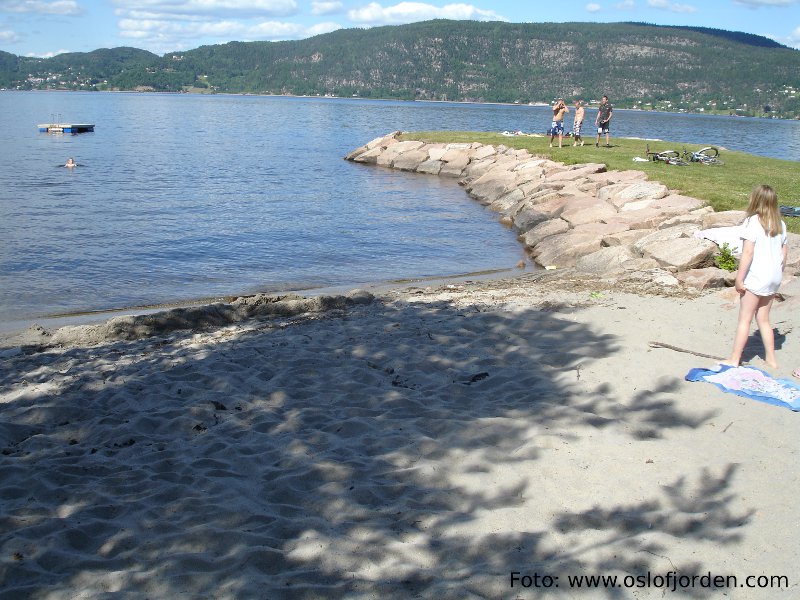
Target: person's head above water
(70,163)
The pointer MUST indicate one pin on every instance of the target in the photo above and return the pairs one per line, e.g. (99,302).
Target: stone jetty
(610,224)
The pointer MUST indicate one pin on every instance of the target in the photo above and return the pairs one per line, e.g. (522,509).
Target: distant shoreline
(350,98)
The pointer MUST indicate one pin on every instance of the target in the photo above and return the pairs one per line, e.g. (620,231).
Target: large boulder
(672,203)
(506,202)
(624,176)
(430,166)
(624,238)
(455,158)
(380,143)
(603,229)
(577,172)
(368,157)
(693,218)
(564,249)
(726,218)
(554,206)
(659,235)
(587,209)
(492,185)
(484,151)
(478,167)
(703,279)
(605,261)
(436,151)
(544,230)
(406,146)
(620,194)
(393,152)
(544,195)
(793,258)
(682,253)
(411,161)
(529,218)
(530,175)
(645,218)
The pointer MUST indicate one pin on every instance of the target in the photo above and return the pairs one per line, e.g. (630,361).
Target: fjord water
(179,197)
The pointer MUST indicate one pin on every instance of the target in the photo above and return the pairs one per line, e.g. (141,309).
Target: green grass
(725,187)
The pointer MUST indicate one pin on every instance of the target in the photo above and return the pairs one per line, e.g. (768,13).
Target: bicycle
(705,156)
(669,157)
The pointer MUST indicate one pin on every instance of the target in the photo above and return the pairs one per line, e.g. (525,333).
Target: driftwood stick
(663,345)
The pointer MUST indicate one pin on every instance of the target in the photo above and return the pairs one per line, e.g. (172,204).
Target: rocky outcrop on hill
(608,223)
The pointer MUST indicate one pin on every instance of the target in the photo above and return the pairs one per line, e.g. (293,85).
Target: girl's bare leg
(748,305)
(765,329)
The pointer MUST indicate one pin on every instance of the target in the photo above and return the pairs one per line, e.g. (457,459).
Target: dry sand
(425,445)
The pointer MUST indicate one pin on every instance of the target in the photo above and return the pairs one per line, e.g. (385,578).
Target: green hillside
(638,65)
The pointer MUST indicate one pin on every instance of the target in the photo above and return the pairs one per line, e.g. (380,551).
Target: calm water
(182,196)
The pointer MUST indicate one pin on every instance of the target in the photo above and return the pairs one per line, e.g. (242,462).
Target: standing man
(603,120)
(578,123)
(559,111)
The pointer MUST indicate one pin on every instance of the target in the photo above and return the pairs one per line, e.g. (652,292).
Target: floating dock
(66,127)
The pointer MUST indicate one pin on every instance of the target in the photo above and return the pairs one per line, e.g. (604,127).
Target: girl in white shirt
(760,271)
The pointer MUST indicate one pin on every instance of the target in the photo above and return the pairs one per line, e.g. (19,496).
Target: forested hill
(637,65)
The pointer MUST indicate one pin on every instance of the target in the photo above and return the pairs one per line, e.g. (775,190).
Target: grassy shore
(725,187)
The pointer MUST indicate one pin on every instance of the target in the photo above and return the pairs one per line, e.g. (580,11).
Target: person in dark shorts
(603,120)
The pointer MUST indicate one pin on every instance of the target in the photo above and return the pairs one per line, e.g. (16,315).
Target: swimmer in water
(70,163)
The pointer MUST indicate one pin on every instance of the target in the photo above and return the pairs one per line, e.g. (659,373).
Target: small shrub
(725,259)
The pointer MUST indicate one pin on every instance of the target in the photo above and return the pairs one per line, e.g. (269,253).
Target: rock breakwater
(612,224)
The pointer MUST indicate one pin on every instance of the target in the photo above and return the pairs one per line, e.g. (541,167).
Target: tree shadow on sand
(392,450)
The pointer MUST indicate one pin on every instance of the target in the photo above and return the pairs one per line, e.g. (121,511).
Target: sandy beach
(476,439)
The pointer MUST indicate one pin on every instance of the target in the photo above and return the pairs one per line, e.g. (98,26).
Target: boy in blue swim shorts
(559,111)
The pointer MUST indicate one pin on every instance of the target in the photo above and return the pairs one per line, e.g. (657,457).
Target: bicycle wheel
(670,157)
(708,151)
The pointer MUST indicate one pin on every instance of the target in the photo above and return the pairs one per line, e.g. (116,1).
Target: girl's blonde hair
(764,203)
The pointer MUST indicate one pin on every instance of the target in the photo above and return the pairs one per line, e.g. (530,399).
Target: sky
(49,27)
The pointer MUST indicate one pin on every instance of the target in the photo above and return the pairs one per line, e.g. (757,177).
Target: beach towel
(751,383)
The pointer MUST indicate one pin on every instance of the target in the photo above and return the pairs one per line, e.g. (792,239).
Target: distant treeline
(636,64)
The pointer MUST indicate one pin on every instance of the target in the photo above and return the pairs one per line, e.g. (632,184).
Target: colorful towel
(751,383)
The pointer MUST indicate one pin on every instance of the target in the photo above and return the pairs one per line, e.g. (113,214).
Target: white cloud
(792,40)
(592,7)
(48,54)
(760,3)
(57,7)
(273,30)
(326,8)
(155,29)
(167,25)
(8,37)
(410,12)
(225,8)
(168,35)
(626,5)
(671,6)
(321,28)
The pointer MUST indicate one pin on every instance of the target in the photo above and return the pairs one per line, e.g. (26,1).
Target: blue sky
(49,27)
